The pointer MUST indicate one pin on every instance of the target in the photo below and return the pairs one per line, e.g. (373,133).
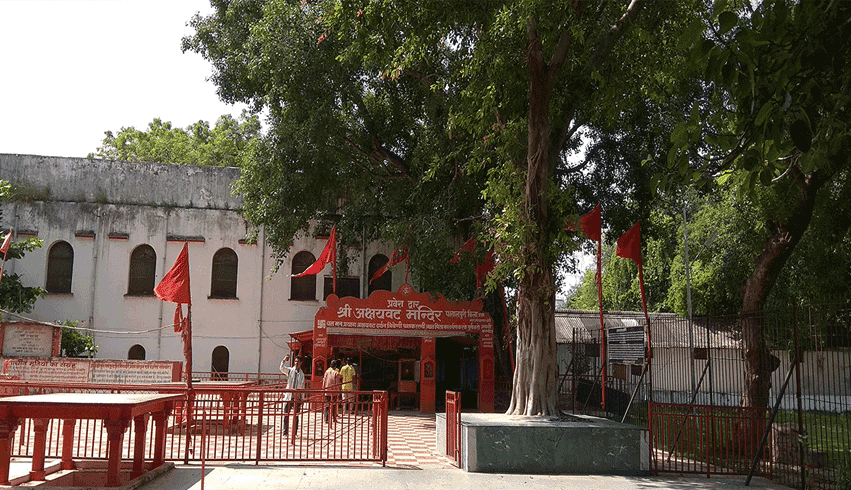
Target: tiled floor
(411,442)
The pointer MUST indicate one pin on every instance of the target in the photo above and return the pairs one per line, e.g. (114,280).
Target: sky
(72,69)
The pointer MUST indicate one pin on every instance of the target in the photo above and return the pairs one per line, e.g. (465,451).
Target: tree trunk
(535,377)
(759,361)
(535,373)
(534,388)
(782,239)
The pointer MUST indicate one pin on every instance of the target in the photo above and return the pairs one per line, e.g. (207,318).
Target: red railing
(705,439)
(259,378)
(253,423)
(453,426)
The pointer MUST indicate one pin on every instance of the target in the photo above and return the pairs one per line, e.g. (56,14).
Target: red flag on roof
(629,244)
(6,242)
(174,287)
(398,256)
(329,254)
(590,223)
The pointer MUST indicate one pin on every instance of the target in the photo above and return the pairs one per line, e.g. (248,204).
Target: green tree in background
(75,343)
(726,234)
(777,119)
(227,144)
(14,296)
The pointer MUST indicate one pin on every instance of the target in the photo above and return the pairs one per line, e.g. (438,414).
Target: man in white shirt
(295,381)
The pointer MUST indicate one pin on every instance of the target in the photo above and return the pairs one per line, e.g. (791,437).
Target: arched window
(60,268)
(302,288)
(383,283)
(143,268)
(223,282)
(136,353)
(219,362)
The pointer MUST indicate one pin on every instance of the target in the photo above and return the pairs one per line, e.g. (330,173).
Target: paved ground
(413,463)
(248,477)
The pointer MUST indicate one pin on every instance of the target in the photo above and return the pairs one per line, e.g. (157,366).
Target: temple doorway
(457,370)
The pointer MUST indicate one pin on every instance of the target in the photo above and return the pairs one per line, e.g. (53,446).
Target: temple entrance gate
(405,322)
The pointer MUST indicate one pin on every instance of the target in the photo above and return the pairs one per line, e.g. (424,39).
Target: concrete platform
(575,444)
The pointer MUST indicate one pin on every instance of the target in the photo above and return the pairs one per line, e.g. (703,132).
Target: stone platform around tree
(571,444)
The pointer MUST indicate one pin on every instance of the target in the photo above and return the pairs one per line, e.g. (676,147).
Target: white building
(112,229)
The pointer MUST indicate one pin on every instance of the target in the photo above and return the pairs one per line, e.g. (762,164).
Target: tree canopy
(427,123)
(227,144)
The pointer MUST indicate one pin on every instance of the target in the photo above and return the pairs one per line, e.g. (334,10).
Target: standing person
(331,384)
(295,381)
(348,375)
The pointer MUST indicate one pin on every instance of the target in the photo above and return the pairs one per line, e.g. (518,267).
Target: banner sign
(75,370)
(404,313)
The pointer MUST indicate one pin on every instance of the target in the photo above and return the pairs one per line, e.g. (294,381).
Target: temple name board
(414,315)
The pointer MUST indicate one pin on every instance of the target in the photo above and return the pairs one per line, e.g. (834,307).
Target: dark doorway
(136,353)
(457,370)
(220,362)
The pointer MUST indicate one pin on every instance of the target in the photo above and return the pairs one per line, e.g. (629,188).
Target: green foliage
(773,127)
(75,343)
(14,296)
(409,121)
(620,282)
(228,144)
(780,95)
(725,234)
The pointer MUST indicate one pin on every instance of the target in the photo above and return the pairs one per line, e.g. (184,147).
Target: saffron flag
(398,256)
(6,242)
(174,286)
(468,246)
(591,224)
(629,247)
(483,269)
(629,244)
(329,254)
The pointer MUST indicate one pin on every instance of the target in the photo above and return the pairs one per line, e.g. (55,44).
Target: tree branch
(615,33)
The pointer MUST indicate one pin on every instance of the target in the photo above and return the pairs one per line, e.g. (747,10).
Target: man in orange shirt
(331,382)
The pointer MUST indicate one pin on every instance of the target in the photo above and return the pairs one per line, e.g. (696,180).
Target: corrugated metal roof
(666,329)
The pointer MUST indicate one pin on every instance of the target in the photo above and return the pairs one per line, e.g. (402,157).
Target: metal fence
(254,424)
(690,398)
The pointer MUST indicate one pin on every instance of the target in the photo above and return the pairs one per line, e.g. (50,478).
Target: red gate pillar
(321,350)
(428,382)
(486,370)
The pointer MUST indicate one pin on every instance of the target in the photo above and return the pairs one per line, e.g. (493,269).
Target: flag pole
(334,260)
(602,324)
(186,334)
(3,267)
(649,356)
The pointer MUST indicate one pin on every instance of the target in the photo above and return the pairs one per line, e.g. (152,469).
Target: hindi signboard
(626,345)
